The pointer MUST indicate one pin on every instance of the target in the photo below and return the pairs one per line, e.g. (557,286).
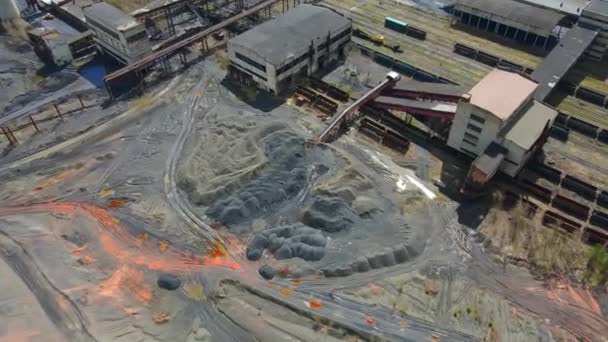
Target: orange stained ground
(118,242)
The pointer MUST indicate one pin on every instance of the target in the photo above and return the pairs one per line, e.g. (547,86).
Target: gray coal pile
(283,177)
(293,241)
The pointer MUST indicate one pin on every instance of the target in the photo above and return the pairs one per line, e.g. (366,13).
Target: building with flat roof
(500,124)
(299,42)
(116,32)
(520,21)
(595,16)
(570,7)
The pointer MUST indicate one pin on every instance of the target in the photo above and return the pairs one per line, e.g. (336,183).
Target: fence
(18,124)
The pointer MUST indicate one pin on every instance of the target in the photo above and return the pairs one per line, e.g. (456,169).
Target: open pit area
(195,207)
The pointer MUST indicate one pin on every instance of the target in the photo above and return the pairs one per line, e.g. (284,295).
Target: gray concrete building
(116,32)
(595,16)
(296,43)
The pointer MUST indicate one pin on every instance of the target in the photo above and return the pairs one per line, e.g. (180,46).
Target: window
(292,63)
(469,142)
(251,62)
(249,71)
(474,128)
(467,152)
(334,39)
(478,119)
(470,137)
(139,36)
(103,28)
(340,36)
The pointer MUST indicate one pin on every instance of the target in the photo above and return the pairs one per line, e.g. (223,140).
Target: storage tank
(8,10)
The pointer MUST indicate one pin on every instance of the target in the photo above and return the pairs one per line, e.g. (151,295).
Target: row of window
(139,36)
(103,28)
(251,62)
(335,38)
(250,71)
(292,63)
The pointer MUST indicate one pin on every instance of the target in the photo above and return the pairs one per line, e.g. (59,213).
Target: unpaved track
(96,132)
(60,309)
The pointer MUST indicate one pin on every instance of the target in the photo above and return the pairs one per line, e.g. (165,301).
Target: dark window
(467,152)
(103,28)
(141,35)
(251,62)
(474,128)
(469,142)
(249,71)
(471,137)
(334,39)
(340,36)
(478,119)
(292,63)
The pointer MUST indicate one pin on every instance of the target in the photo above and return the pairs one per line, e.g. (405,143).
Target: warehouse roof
(530,125)
(110,15)
(431,88)
(501,93)
(277,39)
(541,18)
(561,59)
(573,7)
(448,108)
(598,6)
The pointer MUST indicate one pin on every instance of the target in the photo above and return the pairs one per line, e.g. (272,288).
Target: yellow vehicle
(376,39)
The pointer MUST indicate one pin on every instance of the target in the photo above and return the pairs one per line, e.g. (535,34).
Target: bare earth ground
(194,182)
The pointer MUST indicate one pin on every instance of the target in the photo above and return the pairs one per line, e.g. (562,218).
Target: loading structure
(341,120)
(422,99)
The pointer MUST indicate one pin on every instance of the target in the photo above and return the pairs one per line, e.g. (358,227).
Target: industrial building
(595,16)
(522,22)
(117,33)
(299,42)
(500,124)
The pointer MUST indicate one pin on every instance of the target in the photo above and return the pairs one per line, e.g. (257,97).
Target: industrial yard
(290,170)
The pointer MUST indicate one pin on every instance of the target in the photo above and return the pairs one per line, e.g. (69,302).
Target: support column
(526,36)
(497,26)
(9,135)
(535,40)
(515,35)
(469,21)
(546,42)
(34,123)
(478,23)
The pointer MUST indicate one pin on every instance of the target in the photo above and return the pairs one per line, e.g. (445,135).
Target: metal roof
(489,161)
(278,39)
(501,93)
(561,59)
(540,18)
(530,125)
(431,88)
(110,15)
(448,108)
(598,6)
(573,7)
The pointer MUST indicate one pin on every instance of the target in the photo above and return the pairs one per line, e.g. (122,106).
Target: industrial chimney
(8,10)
